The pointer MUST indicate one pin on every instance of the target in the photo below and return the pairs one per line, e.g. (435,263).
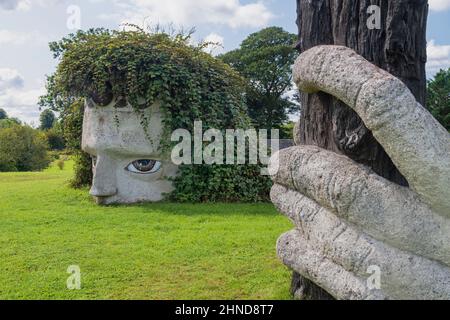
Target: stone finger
(401,275)
(380,208)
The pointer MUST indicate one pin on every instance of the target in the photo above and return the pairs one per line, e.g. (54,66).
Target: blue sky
(26,27)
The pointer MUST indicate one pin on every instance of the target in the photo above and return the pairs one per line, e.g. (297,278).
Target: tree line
(23,148)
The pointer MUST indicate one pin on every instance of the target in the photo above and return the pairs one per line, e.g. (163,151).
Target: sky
(26,27)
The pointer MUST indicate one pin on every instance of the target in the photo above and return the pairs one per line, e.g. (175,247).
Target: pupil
(144,165)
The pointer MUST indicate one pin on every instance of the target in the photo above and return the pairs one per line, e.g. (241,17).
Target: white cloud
(10,79)
(20,38)
(25,5)
(188,13)
(438,57)
(17,101)
(21,5)
(22,104)
(439,5)
(216,46)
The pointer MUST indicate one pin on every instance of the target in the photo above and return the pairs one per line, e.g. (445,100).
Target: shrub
(83,170)
(73,127)
(23,149)
(53,155)
(438,97)
(8,123)
(60,163)
(55,139)
(220,183)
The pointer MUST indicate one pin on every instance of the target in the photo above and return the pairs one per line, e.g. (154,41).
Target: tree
(438,97)
(398,46)
(72,120)
(47,119)
(265,59)
(55,138)
(3,114)
(9,122)
(23,149)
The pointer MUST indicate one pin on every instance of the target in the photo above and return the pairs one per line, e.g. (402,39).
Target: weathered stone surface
(404,275)
(398,46)
(116,137)
(298,254)
(347,217)
(415,141)
(377,206)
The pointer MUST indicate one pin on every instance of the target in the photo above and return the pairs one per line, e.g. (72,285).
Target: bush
(23,149)
(287,131)
(60,163)
(438,99)
(8,123)
(53,155)
(221,183)
(83,170)
(55,139)
(72,122)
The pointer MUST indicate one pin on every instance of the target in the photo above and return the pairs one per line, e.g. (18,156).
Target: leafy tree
(9,122)
(438,97)
(23,148)
(55,138)
(3,114)
(72,120)
(265,59)
(287,130)
(47,119)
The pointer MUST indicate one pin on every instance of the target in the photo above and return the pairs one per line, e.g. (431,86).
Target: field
(149,251)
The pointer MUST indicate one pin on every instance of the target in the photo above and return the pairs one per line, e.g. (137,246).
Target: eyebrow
(155,155)
(133,151)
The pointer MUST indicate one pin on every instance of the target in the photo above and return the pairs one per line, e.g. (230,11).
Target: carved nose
(104,182)
(103,192)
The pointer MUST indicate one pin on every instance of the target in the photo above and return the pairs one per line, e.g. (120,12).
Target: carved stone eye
(144,166)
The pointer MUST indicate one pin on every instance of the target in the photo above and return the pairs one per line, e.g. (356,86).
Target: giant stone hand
(347,217)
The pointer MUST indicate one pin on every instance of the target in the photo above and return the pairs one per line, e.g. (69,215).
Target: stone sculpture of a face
(128,164)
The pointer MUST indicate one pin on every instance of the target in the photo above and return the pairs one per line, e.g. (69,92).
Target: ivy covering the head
(190,85)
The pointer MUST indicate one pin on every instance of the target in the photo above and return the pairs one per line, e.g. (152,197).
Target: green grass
(148,251)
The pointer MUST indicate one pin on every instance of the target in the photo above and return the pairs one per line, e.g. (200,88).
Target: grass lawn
(148,251)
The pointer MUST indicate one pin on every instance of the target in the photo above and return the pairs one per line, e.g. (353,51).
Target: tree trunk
(398,47)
